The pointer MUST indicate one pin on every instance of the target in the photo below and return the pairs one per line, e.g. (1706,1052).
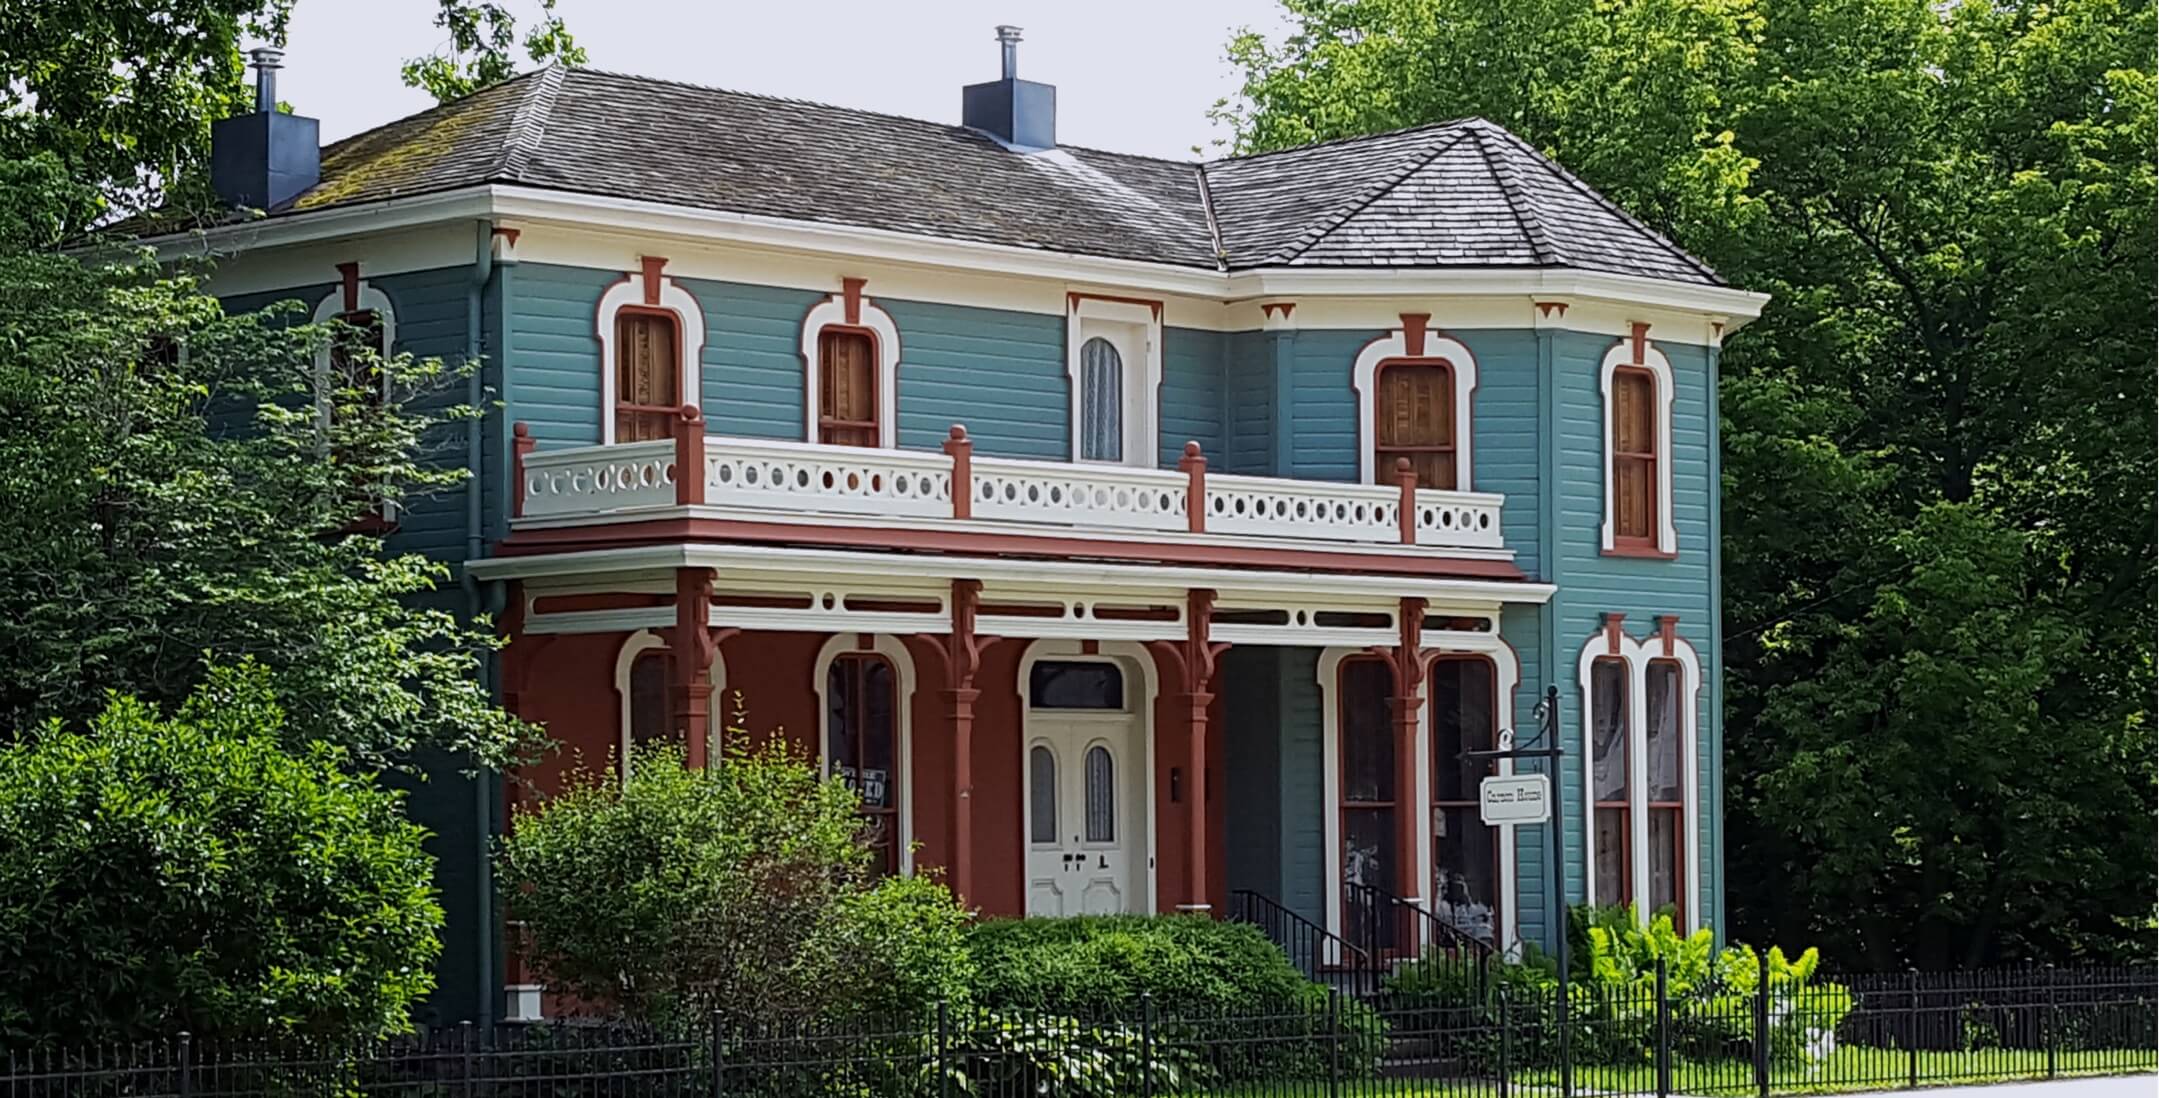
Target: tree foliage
(1938,438)
(744,889)
(176,489)
(194,873)
(123,91)
(481,47)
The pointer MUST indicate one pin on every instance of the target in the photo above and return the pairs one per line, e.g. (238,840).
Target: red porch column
(1194,660)
(963,657)
(691,649)
(1409,814)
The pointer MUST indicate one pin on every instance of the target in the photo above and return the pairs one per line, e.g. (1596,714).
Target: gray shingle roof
(1455,194)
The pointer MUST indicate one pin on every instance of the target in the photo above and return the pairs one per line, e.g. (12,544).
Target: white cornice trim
(848,241)
(1227,582)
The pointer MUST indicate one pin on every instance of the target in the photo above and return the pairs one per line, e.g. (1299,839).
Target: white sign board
(1517,799)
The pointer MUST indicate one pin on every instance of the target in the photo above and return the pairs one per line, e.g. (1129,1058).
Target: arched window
(1101,401)
(1635,500)
(648,374)
(1637,383)
(847,388)
(1667,792)
(1465,852)
(1609,784)
(1369,784)
(862,745)
(1042,788)
(649,719)
(1101,795)
(1414,419)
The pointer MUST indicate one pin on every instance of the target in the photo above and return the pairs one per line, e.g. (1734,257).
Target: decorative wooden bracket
(963,647)
(1193,657)
(1406,657)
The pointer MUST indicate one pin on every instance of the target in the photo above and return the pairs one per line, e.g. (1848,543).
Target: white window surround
(1638,655)
(903,672)
(1507,678)
(1135,330)
(689,318)
(637,644)
(1138,666)
(1660,368)
(366,299)
(1395,345)
(832,312)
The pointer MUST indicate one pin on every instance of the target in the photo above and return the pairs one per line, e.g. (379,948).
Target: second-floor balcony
(955,488)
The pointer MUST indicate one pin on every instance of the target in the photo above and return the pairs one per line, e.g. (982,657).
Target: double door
(1085,816)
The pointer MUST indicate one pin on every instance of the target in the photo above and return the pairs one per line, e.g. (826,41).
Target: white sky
(1131,75)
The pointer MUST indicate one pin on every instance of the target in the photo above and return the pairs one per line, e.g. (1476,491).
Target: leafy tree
(193,873)
(742,889)
(176,487)
(1938,459)
(479,53)
(123,91)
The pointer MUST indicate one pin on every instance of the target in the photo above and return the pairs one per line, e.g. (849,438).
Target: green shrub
(1612,1003)
(743,889)
(190,873)
(1197,973)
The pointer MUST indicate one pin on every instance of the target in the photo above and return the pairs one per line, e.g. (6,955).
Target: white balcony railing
(780,479)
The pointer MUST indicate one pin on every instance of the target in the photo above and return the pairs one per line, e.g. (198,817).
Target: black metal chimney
(265,158)
(1019,113)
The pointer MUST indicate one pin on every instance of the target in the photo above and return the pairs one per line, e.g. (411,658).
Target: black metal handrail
(1390,924)
(1317,952)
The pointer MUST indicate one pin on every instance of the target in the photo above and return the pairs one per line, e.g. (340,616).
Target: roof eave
(581,210)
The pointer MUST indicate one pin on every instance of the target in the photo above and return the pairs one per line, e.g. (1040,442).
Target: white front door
(1086,843)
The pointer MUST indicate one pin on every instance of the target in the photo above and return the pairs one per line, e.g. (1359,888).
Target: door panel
(1086,828)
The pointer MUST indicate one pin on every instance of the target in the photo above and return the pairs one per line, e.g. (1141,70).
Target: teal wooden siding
(1304,798)
(431,323)
(1000,373)
(1251,765)
(1321,406)
(1248,400)
(551,352)
(1191,393)
(1504,433)
(751,379)
(1522,627)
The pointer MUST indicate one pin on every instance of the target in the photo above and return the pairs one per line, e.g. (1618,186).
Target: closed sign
(1516,799)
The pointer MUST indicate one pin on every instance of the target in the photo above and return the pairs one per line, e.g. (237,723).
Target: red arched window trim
(1430,445)
(1465,805)
(635,422)
(831,428)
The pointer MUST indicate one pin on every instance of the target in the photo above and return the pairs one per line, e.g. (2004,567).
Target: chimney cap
(1006,32)
(266,57)
(266,60)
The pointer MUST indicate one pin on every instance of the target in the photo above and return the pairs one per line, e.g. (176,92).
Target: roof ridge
(529,123)
(1214,227)
(1241,158)
(1320,229)
(1540,242)
(1570,179)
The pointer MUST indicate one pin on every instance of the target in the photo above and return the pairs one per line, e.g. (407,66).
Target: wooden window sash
(639,420)
(1398,431)
(1491,768)
(848,386)
(1634,412)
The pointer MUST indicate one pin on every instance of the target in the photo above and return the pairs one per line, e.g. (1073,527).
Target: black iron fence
(1717,1033)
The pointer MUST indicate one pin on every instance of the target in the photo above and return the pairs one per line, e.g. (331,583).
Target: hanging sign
(1516,799)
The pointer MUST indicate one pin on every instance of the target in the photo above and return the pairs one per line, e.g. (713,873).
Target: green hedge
(1195,971)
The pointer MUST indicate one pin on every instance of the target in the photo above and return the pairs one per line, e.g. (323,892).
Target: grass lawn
(1846,1070)
(1852,1068)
